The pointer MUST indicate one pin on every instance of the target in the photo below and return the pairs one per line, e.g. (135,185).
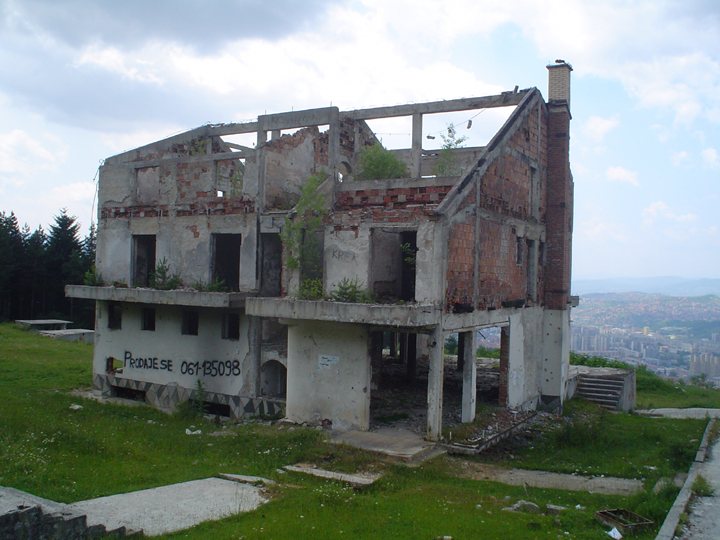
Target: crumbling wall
(490,259)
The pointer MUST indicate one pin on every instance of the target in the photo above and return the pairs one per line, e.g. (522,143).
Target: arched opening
(273,379)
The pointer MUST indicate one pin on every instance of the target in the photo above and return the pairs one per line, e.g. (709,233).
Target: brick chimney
(559,82)
(559,214)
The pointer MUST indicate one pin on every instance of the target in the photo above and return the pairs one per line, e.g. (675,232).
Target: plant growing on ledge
(93,278)
(349,291)
(377,163)
(445,165)
(299,233)
(162,279)
(310,289)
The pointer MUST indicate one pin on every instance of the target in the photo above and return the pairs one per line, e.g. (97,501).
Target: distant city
(674,336)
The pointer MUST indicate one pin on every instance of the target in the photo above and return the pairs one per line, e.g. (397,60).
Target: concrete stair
(26,517)
(604,390)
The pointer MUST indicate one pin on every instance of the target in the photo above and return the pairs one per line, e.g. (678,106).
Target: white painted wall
(203,351)
(329,374)
(346,256)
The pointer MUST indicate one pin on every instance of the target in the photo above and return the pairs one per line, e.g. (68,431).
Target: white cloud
(710,156)
(22,155)
(595,128)
(678,158)
(595,230)
(620,174)
(659,210)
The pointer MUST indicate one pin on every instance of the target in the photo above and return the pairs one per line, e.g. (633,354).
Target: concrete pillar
(275,134)
(376,359)
(504,365)
(334,143)
(460,354)
(393,344)
(435,385)
(467,339)
(410,355)
(416,145)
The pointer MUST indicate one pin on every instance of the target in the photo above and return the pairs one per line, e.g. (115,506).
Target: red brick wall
(505,191)
(560,210)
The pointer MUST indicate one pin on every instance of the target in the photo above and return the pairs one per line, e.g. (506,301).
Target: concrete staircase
(604,390)
(27,517)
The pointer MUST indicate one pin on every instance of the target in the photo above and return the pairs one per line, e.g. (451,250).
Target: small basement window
(190,322)
(148,319)
(114,316)
(231,326)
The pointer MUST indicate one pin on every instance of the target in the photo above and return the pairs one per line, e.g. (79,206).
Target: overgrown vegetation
(377,163)
(298,234)
(350,291)
(446,163)
(162,279)
(103,449)
(592,441)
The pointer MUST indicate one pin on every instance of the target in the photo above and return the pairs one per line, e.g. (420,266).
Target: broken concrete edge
(669,526)
(53,515)
(492,441)
(355,479)
(244,479)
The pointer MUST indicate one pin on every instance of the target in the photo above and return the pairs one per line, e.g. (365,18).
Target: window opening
(148,319)
(143,259)
(231,326)
(519,248)
(273,379)
(226,260)
(114,316)
(408,250)
(190,323)
(393,264)
(271,278)
(311,261)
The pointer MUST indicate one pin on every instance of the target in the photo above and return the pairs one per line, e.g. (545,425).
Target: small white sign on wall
(326,361)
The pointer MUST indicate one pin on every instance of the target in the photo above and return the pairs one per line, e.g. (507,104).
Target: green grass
(654,392)
(102,449)
(591,441)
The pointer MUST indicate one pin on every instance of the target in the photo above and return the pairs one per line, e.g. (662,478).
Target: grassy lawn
(70,455)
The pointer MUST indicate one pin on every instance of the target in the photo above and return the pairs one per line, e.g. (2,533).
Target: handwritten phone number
(211,368)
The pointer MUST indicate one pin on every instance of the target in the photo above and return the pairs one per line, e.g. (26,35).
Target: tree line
(35,267)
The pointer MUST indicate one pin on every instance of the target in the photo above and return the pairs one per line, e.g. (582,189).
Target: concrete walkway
(399,443)
(696,413)
(704,514)
(171,508)
(540,479)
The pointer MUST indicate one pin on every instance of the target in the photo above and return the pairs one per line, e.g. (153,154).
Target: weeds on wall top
(162,280)
(298,234)
(377,163)
(446,165)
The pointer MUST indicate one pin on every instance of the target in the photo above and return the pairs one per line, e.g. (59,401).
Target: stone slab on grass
(172,508)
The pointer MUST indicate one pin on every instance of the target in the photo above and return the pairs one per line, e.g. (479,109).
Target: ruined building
(487,246)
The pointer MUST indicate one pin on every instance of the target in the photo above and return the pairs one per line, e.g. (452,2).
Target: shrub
(349,291)
(377,163)
(162,279)
(310,289)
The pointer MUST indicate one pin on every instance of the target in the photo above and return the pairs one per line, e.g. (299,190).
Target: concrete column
(435,385)
(467,339)
(393,344)
(410,355)
(416,145)
(504,365)
(376,359)
(460,354)
(334,143)
(275,134)
(261,153)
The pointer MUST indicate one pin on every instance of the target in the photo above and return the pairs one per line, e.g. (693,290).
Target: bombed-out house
(430,254)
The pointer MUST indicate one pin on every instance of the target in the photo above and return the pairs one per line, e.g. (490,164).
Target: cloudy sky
(82,80)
